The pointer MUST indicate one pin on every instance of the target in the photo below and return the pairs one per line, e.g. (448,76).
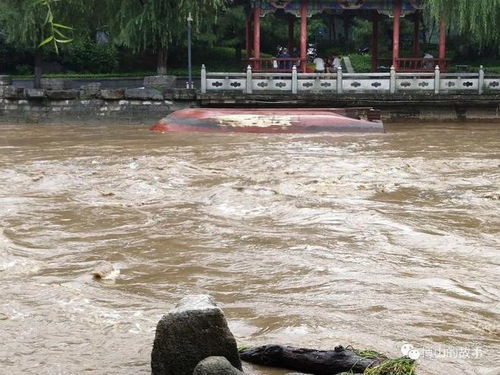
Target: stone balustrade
(352,83)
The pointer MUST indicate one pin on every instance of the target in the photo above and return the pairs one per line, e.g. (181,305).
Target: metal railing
(352,83)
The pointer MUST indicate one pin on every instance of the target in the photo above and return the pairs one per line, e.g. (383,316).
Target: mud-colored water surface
(367,240)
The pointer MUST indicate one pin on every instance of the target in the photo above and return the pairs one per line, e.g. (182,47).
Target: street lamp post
(190,65)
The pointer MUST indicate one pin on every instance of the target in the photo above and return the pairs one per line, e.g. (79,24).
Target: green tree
(30,23)
(479,19)
(229,30)
(157,24)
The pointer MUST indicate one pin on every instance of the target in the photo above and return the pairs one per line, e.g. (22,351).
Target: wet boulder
(216,366)
(194,330)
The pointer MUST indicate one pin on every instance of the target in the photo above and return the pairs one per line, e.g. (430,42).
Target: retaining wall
(91,104)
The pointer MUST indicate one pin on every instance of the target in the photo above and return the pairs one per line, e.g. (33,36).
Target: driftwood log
(317,362)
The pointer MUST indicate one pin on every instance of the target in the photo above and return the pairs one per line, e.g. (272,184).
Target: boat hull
(271,120)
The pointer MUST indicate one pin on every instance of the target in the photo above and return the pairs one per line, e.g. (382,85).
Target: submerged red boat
(272,120)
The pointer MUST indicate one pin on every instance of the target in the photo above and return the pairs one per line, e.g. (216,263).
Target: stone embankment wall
(58,103)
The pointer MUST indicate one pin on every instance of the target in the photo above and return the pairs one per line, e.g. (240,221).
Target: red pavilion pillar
(396,33)
(442,42)
(375,36)
(291,33)
(303,34)
(416,35)
(248,44)
(256,35)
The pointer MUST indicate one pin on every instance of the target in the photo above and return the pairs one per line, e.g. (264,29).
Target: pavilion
(372,9)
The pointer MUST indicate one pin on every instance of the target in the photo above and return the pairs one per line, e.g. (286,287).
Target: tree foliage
(22,22)
(155,24)
(31,23)
(479,19)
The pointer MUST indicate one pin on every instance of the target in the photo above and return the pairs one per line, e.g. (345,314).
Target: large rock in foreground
(216,366)
(195,330)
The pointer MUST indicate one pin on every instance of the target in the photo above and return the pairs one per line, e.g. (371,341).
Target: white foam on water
(19,267)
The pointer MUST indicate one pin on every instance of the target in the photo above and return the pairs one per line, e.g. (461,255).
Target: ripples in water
(369,240)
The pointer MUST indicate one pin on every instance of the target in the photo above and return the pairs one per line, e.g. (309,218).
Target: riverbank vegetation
(128,37)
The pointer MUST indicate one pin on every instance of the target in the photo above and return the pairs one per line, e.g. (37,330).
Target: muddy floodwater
(309,240)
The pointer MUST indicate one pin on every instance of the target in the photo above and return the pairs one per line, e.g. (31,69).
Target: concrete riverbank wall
(90,105)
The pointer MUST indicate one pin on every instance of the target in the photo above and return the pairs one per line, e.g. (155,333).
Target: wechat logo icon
(408,350)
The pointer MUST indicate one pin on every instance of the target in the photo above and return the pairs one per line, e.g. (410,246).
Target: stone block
(216,366)
(90,91)
(62,94)
(180,94)
(113,94)
(194,330)
(56,84)
(143,94)
(159,82)
(13,93)
(35,93)
(5,80)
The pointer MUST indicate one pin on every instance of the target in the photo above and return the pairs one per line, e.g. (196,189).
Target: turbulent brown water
(367,240)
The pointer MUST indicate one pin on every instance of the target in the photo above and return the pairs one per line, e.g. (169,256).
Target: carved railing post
(249,85)
(481,80)
(203,79)
(437,80)
(392,83)
(295,81)
(340,87)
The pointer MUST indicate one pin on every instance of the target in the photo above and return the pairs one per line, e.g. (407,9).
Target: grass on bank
(388,366)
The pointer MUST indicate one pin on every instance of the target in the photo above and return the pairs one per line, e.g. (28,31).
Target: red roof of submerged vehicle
(279,120)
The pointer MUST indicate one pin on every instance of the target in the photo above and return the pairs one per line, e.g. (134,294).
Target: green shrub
(24,69)
(361,63)
(87,56)
(12,57)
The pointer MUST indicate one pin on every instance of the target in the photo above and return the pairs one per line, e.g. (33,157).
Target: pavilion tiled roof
(337,5)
